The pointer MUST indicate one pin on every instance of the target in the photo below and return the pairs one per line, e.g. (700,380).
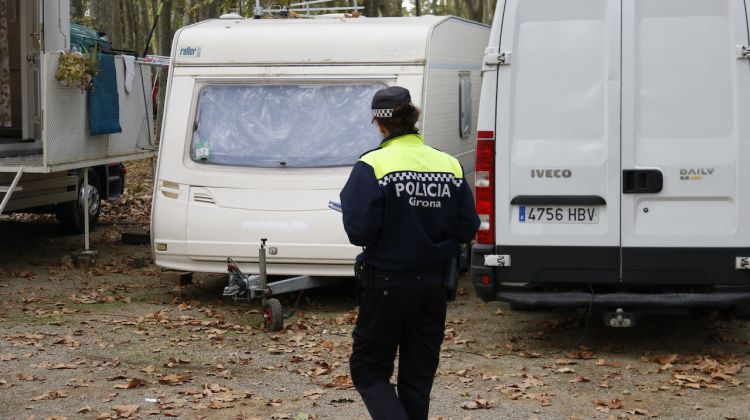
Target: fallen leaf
(340,382)
(68,341)
(126,411)
(638,412)
(132,383)
(6,357)
(51,395)
(174,379)
(174,361)
(313,394)
(477,403)
(666,359)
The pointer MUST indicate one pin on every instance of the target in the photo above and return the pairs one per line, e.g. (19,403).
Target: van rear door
(685,132)
(558,140)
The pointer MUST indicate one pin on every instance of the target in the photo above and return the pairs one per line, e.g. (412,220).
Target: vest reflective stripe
(408,153)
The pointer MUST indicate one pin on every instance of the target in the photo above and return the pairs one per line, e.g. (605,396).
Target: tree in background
(128,23)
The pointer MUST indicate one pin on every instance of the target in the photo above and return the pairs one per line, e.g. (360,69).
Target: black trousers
(407,315)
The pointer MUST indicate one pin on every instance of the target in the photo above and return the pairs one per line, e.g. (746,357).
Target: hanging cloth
(129,62)
(5,114)
(104,102)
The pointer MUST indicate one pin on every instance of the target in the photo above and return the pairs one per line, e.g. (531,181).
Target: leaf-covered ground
(114,341)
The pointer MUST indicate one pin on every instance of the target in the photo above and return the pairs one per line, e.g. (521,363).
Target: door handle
(642,181)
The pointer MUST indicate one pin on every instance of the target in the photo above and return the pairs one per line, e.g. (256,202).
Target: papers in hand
(335,206)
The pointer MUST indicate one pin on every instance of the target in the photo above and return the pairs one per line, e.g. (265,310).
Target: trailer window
(284,125)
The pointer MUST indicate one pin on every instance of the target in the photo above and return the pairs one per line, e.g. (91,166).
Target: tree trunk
(77,10)
(114,28)
(165,45)
(145,23)
(131,27)
(100,14)
(186,20)
(165,28)
(390,8)
(474,9)
(371,8)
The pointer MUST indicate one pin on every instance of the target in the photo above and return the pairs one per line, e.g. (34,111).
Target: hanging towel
(129,61)
(5,114)
(104,103)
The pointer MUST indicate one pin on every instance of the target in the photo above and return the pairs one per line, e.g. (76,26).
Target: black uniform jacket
(408,205)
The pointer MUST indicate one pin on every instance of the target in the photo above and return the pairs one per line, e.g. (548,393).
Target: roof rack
(303,9)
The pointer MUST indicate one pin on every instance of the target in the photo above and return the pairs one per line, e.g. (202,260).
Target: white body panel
(680,116)
(558,108)
(598,87)
(205,213)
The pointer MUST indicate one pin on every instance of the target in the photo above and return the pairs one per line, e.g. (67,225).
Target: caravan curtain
(5,116)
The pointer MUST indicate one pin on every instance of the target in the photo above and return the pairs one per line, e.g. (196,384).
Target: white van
(612,160)
(265,118)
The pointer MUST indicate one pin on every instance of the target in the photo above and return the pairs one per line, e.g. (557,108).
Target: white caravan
(613,156)
(265,118)
(46,147)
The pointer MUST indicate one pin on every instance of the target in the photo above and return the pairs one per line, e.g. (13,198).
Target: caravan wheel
(71,214)
(273,317)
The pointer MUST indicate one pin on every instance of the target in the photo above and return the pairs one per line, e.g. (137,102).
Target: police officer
(410,207)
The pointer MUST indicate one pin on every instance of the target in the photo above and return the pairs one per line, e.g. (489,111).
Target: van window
(464,104)
(284,125)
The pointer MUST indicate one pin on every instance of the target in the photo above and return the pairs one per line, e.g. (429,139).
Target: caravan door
(31,59)
(685,131)
(558,141)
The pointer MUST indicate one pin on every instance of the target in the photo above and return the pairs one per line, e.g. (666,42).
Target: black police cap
(386,99)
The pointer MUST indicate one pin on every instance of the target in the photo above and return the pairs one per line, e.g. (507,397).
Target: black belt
(379,278)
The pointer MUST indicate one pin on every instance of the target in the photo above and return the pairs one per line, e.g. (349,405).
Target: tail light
(485,186)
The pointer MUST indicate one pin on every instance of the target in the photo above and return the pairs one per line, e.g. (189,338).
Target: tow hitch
(248,287)
(620,318)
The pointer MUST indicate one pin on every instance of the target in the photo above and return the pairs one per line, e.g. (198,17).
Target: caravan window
(284,125)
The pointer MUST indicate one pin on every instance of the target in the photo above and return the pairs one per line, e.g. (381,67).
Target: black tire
(273,316)
(742,312)
(71,214)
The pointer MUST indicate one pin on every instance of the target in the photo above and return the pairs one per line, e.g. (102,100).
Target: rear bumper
(185,263)
(655,277)
(662,300)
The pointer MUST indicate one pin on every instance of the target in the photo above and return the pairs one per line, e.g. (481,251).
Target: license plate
(558,214)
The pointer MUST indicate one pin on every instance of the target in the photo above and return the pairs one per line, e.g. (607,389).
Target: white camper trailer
(47,148)
(265,118)
(613,151)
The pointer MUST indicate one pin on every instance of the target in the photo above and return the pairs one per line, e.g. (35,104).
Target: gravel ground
(112,341)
